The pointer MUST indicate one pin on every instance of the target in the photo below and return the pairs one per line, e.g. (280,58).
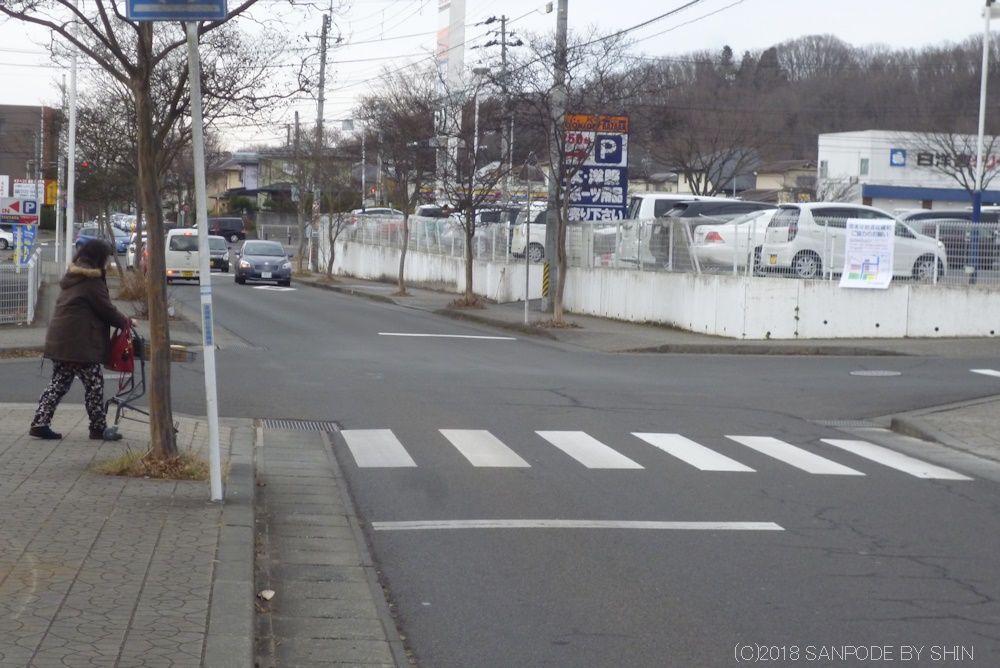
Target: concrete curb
(455,314)
(343,289)
(371,572)
(756,349)
(230,637)
(912,424)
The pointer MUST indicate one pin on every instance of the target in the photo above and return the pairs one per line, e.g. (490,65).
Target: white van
(182,260)
(655,205)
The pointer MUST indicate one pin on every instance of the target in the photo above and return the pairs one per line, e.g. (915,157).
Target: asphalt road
(854,556)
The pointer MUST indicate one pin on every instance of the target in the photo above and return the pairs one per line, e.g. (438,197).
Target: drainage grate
(849,423)
(299,425)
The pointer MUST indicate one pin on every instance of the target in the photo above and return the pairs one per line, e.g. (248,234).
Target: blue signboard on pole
(176,10)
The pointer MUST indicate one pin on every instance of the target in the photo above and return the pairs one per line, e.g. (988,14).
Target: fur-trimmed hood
(77,273)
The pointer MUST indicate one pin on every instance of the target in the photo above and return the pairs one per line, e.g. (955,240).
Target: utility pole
(558,111)
(506,149)
(317,190)
(60,178)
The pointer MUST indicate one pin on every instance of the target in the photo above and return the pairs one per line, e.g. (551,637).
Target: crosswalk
(380,448)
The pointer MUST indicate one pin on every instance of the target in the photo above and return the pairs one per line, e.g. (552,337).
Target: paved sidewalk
(109,571)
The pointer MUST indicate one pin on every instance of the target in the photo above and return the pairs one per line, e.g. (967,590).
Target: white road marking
(574,524)
(448,336)
(895,460)
(588,450)
(797,457)
(273,288)
(482,448)
(987,372)
(377,448)
(693,453)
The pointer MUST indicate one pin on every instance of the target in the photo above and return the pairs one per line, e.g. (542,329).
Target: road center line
(987,372)
(423,525)
(448,336)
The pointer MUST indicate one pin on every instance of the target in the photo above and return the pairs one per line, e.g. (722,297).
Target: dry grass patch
(553,324)
(462,302)
(135,464)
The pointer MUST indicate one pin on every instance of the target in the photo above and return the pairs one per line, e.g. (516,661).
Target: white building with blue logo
(904,170)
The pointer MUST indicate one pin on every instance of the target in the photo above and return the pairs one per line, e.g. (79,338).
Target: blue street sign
(176,10)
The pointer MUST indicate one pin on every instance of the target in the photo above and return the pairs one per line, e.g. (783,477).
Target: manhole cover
(879,373)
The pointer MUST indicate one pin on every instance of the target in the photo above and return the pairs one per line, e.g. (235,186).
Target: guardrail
(19,287)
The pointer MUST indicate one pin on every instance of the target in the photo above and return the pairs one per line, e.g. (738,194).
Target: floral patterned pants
(62,377)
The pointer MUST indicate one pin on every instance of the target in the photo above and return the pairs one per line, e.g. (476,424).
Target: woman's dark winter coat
(80,328)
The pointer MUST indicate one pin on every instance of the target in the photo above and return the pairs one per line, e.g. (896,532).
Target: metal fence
(283,227)
(949,252)
(19,287)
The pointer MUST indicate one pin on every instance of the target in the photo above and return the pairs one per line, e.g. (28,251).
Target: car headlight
(286,265)
(226,256)
(245,265)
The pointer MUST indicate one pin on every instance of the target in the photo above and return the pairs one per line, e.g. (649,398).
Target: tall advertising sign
(596,163)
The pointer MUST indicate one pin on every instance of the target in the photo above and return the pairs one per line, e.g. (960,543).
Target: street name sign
(176,10)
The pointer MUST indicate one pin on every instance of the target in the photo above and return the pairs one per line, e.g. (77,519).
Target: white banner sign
(868,254)
(29,189)
(4,185)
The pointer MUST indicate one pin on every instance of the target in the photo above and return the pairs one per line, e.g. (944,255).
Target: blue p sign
(608,149)
(29,207)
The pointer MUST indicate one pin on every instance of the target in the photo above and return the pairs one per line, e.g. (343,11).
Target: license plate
(773,259)
(265,274)
(187,274)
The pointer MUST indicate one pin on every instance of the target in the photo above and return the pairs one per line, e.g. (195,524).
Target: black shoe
(44,432)
(108,434)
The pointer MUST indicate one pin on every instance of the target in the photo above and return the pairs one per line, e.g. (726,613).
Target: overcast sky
(374,33)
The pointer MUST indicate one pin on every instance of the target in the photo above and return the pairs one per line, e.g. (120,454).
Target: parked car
(232,229)
(802,239)
(263,261)
(6,239)
(961,237)
(533,238)
(718,209)
(135,249)
(218,251)
(736,243)
(88,232)
(655,205)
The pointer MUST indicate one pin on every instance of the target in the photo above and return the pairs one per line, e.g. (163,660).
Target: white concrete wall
(721,305)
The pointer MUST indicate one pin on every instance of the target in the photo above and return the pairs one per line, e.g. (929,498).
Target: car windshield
(217,243)
(263,248)
(183,242)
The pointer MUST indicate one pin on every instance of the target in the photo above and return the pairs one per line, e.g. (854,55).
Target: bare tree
(402,115)
(953,156)
(150,64)
(601,79)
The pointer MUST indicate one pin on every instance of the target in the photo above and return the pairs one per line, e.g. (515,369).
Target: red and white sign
(18,211)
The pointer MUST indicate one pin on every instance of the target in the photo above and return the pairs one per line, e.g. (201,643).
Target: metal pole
(977,199)
(317,190)
(364,184)
(60,184)
(71,162)
(527,238)
(204,267)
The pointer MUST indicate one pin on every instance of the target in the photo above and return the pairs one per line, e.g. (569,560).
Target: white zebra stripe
(587,450)
(376,448)
(484,449)
(895,460)
(794,456)
(693,453)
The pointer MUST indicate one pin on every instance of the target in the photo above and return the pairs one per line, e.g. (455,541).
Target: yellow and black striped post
(545,279)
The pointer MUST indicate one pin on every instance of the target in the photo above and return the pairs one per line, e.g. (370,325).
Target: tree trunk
(163,442)
(557,304)
(332,238)
(401,280)
(470,231)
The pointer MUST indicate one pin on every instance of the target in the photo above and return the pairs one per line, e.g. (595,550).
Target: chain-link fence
(19,287)
(949,252)
(283,227)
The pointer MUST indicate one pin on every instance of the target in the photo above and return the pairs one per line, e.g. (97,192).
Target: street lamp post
(977,198)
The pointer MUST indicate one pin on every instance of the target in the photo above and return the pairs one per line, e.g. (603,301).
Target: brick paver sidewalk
(108,571)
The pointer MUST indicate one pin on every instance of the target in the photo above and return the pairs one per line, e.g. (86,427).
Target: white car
(808,239)
(132,254)
(533,238)
(734,244)
(6,239)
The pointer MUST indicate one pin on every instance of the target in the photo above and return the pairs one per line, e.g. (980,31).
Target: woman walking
(78,341)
